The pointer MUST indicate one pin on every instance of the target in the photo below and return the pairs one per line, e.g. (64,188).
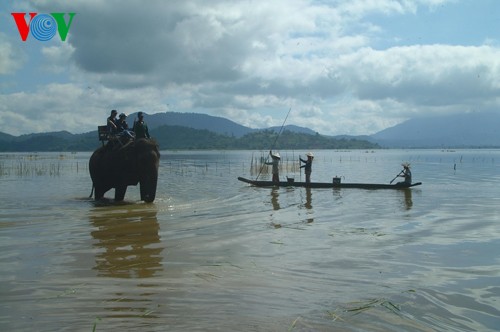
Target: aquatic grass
(67,292)
(358,307)
(289,163)
(208,277)
(26,168)
(3,169)
(97,319)
(191,168)
(223,265)
(294,323)
(31,165)
(301,324)
(334,316)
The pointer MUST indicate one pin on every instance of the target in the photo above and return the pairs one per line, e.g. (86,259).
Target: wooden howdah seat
(104,136)
(102,131)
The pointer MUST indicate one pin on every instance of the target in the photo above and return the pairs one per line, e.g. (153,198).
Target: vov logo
(43,26)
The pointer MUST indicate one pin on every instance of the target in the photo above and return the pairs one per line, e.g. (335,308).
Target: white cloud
(10,58)
(250,61)
(57,58)
(70,107)
(425,75)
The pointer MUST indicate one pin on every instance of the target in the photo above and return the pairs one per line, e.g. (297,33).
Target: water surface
(214,254)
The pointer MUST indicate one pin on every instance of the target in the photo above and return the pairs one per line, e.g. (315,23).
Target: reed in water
(288,164)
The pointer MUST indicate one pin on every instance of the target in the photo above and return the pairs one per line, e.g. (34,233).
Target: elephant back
(143,144)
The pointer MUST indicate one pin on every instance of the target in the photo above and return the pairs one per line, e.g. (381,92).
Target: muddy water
(213,254)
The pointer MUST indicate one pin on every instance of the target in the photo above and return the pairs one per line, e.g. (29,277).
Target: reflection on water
(128,247)
(127,239)
(305,204)
(408,202)
(308,205)
(274,198)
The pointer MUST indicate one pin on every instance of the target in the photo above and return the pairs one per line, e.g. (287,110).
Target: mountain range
(214,124)
(465,130)
(201,131)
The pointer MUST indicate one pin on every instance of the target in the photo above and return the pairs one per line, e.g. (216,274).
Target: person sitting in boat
(405,173)
(307,166)
(122,127)
(111,123)
(275,160)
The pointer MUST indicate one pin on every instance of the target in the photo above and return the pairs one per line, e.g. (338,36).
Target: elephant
(117,165)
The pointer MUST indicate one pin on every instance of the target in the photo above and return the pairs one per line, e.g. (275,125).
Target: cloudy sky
(340,66)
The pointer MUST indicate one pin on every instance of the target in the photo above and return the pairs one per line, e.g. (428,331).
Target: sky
(338,67)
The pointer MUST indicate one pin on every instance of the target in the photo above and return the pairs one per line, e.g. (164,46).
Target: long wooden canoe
(328,184)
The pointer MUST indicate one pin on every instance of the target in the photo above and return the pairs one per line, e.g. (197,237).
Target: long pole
(272,146)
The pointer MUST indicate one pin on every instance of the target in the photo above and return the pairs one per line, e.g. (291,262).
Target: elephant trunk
(148,188)
(149,175)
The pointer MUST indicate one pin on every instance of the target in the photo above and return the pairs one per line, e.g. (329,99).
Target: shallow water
(213,253)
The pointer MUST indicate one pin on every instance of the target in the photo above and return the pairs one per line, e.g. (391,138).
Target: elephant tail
(92,191)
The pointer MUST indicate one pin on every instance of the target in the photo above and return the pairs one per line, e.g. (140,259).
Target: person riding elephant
(135,162)
(111,123)
(140,127)
(123,130)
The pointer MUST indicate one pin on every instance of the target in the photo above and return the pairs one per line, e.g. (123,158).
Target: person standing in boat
(406,174)
(275,160)
(307,166)
(140,127)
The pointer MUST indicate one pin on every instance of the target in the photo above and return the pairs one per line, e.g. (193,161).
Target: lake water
(215,254)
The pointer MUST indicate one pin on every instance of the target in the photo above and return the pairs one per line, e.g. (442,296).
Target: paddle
(396,177)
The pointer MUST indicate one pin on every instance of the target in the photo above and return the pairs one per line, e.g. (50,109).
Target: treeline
(289,140)
(59,141)
(184,138)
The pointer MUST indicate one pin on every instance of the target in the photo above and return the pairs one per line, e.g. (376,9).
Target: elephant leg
(120,193)
(99,193)
(143,192)
(147,197)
